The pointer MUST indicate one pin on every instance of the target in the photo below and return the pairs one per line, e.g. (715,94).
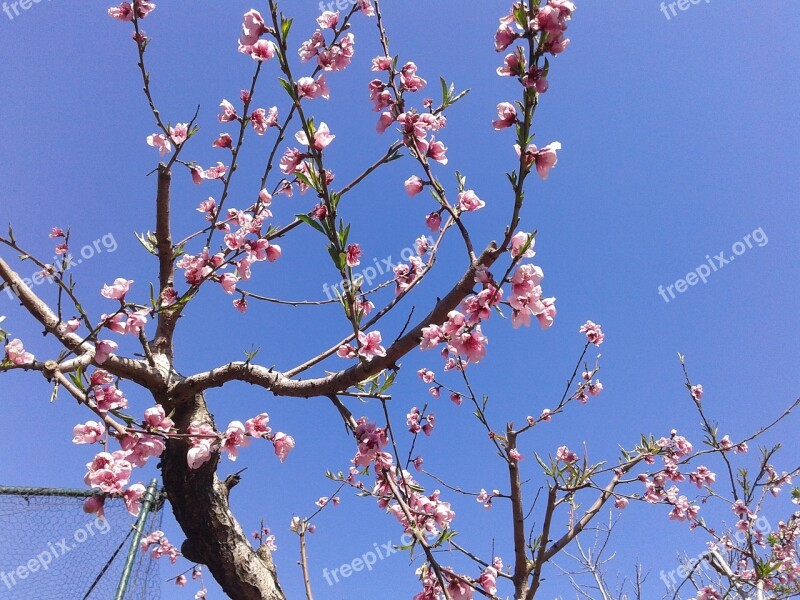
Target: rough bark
(213,535)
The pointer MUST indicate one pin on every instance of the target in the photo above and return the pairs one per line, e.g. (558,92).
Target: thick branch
(136,370)
(280,385)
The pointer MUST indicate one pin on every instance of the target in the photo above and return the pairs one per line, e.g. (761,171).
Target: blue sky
(679,139)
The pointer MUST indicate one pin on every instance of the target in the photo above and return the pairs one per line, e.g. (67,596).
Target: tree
(179,430)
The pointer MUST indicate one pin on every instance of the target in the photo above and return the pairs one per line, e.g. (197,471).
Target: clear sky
(679,139)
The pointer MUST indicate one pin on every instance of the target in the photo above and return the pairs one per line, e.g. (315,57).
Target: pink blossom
(593,333)
(252,28)
(468,201)
(308,88)
(261,121)
(283,445)
(504,37)
(328,19)
(366,7)
(132,497)
(88,433)
(257,426)
(15,352)
(697,392)
(180,580)
(310,48)
(240,304)
(436,151)
(385,120)
(433,221)
(94,505)
(353,255)
(544,159)
(488,580)
(564,454)
(520,241)
(506,116)
(322,137)
(228,112)
(108,472)
(160,142)
(409,79)
(370,344)
(382,63)
(234,438)
(156,418)
(262,50)
(223,141)
(413,185)
(104,349)
(515,454)
(620,502)
(56,232)
(228,282)
(198,175)
(124,12)
(179,133)
(471,344)
(117,290)
(702,476)
(215,172)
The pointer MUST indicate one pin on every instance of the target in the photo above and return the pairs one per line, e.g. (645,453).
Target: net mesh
(50,548)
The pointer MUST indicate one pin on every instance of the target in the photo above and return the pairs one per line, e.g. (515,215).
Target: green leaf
(311,221)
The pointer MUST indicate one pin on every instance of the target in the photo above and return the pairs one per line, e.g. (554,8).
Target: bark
(213,535)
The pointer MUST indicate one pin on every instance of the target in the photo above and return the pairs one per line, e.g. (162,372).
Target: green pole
(149,498)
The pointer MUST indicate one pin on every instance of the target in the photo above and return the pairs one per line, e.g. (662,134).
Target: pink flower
(260,120)
(240,304)
(223,141)
(436,151)
(620,502)
(15,352)
(593,333)
(504,37)
(471,344)
(520,241)
(506,116)
(353,255)
(94,505)
(103,349)
(697,392)
(366,7)
(433,221)
(382,63)
(88,433)
(215,172)
(117,290)
(228,282)
(132,497)
(564,454)
(488,580)
(198,175)
(234,438)
(385,120)
(308,88)
(124,12)
(56,232)
(283,445)
(514,454)
(322,137)
(179,133)
(252,28)
(262,50)
(160,142)
(409,79)
(413,185)
(257,426)
(156,418)
(328,19)
(180,580)
(545,159)
(468,201)
(228,112)
(370,344)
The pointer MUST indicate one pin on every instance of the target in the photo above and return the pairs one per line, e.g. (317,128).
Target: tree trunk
(213,535)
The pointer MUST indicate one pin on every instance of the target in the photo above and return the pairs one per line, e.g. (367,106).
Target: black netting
(51,549)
